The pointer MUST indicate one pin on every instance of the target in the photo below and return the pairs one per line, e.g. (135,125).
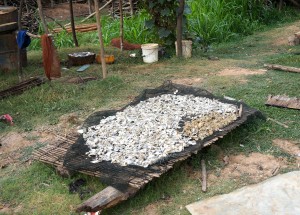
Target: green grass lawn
(37,189)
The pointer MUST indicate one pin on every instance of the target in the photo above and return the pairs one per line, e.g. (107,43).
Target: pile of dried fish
(149,131)
(204,126)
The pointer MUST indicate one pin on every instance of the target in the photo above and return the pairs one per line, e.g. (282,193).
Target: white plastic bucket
(186,48)
(150,52)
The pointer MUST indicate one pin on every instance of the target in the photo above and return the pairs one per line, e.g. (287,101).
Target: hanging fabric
(50,58)
(23,40)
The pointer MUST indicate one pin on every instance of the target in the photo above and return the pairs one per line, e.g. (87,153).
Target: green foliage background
(207,22)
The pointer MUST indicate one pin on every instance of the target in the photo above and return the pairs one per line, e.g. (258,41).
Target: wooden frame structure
(54,154)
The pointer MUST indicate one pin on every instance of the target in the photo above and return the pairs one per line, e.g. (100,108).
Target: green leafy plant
(222,20)
(163,19)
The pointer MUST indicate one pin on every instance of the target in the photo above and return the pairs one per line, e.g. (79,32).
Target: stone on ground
(275,196)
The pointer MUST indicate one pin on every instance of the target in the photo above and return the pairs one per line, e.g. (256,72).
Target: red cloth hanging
(50,58)
(126,45)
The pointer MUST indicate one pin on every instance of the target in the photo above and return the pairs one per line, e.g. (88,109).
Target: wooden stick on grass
(282,68)
(98,17)
(204,176)
(279,123)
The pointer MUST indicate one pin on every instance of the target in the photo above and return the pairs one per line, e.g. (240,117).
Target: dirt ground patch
(151,209)
(283,36)
(288,146)
(256,166)
(237,71)
(187,81)
(61,11)
(13,143)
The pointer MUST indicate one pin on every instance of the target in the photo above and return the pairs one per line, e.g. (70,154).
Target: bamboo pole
(39,2)
(72,23)
(20,69)
(179,27)
(98,17)
(121,24)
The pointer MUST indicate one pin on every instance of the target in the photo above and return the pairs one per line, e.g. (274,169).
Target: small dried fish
(149,131)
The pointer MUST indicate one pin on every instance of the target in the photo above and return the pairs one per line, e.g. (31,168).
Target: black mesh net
(120,176)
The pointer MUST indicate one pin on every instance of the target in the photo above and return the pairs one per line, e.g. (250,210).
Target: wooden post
(98,17)
(131,7)
(20,69)
(179,27)
(113,9)
(90,6)
(121,24)
(39,2)
(72,23)
(204,175)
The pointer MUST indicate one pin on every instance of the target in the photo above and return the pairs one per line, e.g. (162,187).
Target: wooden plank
(21,87)
(106,198)
(282,68)
(283,101)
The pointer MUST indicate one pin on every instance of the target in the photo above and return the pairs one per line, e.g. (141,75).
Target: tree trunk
(72,23)
(179,27)
(98,17)
(5,2)
(121,24)
(39,2)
